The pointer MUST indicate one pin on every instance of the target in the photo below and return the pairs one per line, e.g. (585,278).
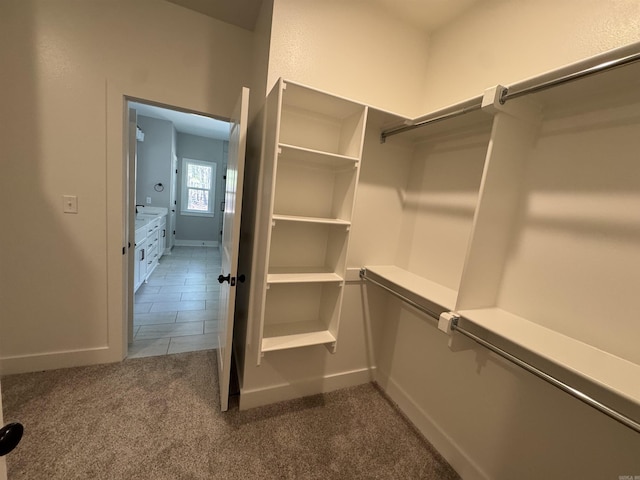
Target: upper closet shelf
(549,90)
(553,87)
(426,295)
(462,116)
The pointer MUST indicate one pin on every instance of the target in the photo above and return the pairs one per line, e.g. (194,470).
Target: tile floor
(177,310)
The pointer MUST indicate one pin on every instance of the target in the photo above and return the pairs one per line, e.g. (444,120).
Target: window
(198,187)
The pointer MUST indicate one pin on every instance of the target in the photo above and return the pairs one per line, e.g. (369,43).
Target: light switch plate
(70,204)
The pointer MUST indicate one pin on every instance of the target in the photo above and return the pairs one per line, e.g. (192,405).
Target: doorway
(176,195)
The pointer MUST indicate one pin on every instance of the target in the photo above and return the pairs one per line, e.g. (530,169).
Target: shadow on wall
(47,288)
(515,424)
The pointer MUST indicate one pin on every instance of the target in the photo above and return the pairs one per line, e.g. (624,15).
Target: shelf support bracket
(448,322)
(493,103)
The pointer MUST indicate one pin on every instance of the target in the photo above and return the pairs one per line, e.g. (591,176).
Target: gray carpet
(158,418)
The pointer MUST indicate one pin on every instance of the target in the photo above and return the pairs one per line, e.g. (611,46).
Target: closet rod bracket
(447,322)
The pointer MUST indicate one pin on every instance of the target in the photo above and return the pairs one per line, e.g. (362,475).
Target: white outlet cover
(70,204)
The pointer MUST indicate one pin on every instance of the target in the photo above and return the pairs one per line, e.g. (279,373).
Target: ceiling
(241,13)
(424,14)
(186,122)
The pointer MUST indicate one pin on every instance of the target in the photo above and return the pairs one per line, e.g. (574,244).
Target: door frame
(120,208)
(130,160)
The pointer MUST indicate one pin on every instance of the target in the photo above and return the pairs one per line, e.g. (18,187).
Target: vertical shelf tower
(308,180)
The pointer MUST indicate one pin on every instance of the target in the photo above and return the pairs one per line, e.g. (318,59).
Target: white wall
(66,67)
(505,41)
(353,49)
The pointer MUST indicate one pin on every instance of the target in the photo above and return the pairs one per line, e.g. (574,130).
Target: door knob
(222,278)
(10,436)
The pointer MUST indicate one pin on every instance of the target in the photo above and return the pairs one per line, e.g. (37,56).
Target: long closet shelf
(423,292)
(286,336)
(295,218)
(614,374)
(316,157)
(303,277)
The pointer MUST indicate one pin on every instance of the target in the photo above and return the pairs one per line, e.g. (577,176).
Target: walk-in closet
(497,236)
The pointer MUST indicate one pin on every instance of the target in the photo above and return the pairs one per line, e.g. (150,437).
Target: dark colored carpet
(158,418)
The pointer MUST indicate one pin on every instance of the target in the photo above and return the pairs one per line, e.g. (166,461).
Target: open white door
(231,241)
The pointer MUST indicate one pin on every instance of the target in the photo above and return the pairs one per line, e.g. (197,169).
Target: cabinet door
(136,269)
(163,238)
(142,264)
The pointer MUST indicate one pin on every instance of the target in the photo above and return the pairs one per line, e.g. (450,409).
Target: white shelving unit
(545,260)
(308,191)
(439,205)
(565,258)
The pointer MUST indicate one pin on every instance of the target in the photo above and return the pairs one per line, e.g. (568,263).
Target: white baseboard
(56,360)
(444,444)
(195,243)
(279,393)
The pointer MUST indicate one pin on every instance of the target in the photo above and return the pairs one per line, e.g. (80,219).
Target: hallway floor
(177,310)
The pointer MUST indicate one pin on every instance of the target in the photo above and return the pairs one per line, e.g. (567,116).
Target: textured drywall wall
(505,41)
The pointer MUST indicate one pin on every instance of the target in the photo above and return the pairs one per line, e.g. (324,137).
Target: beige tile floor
(177,309)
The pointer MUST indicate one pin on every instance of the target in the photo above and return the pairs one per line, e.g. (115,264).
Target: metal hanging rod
(433,315)
(468,106)
(602,67)
(583,397)
(508,94)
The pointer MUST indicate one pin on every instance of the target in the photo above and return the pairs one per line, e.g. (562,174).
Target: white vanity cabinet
(149,246)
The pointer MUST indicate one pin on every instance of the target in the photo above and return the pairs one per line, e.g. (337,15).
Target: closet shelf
(607,371)
(316,157)
(296,218)
(297,275)
(425,293)
(282,337)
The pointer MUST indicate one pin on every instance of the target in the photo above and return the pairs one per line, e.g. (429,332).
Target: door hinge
(124,250)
